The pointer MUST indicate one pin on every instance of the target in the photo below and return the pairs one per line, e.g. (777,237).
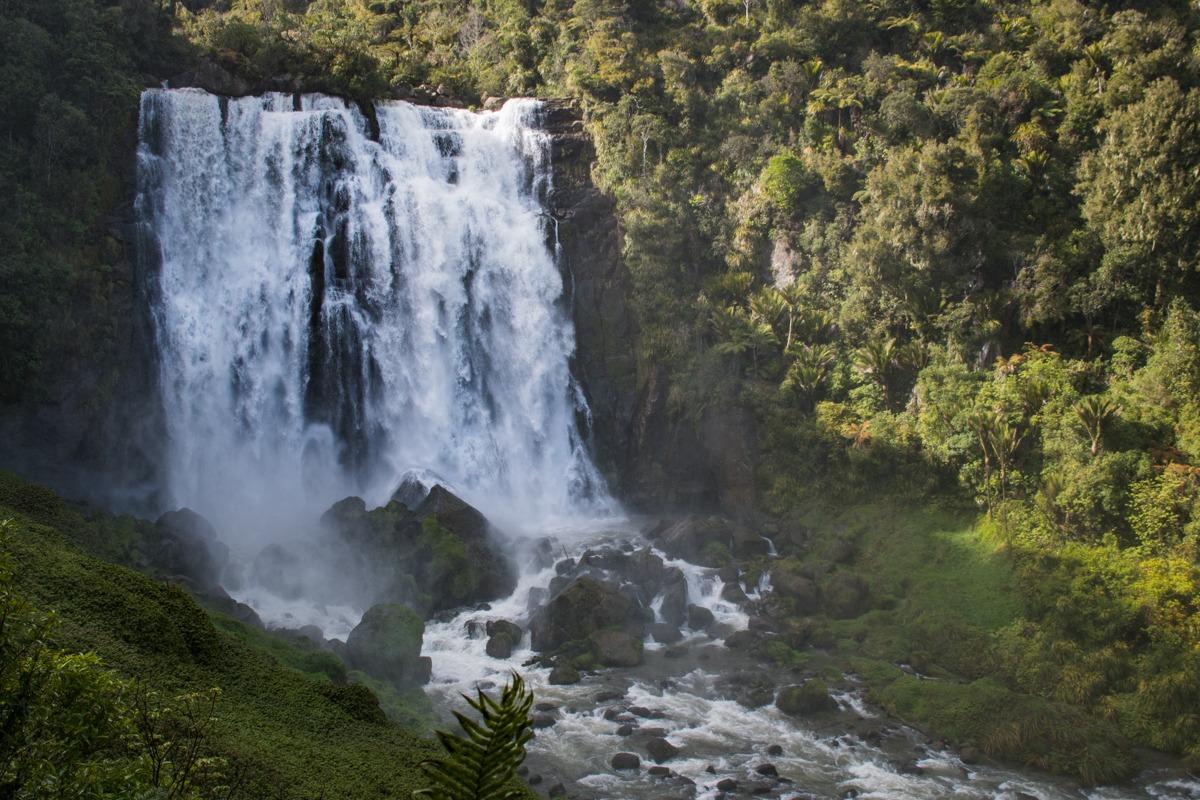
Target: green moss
(445,566)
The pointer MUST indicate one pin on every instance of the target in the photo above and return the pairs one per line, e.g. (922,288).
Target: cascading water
(343,297)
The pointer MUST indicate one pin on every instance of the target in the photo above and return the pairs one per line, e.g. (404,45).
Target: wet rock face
(599,285)
(653,457)
(708,540)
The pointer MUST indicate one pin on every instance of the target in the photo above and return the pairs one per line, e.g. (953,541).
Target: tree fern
(483,764)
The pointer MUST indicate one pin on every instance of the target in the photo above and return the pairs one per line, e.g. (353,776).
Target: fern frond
(482,764)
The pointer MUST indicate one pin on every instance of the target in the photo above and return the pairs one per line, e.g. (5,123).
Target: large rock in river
(810,697)
(585,606)
(387,644)
(613,648)
(441,555)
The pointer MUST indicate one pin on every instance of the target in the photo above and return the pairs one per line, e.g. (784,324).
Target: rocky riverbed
(671,703)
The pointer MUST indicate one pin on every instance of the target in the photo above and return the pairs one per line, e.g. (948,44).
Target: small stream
(683,693)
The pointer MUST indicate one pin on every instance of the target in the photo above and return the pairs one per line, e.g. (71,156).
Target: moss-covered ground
(930,652)
(286,715)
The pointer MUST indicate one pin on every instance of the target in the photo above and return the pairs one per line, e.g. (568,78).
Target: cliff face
(653,458)
(88,424)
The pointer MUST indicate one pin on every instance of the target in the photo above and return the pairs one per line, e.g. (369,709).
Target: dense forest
(946,254)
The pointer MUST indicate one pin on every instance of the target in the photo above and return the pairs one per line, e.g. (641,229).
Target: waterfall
(341,298)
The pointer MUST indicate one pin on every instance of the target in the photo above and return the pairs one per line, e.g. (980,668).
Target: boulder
(537,598)
(413,489)
(788,580)
(499,646)
(733,593)
(439,556)
(187,545)
(645,568)
(697,539)
(563,675)
(498,627)
(661,750)
(614,648)
(345,513)
(664,633)
(674,598)
(810,697)
(846,596)
(583,607)
(387,644)
(699,618)
(624,761)
(503,638)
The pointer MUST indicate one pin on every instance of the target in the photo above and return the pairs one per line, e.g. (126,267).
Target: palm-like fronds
(483,764)
(1093,412)
(810,365)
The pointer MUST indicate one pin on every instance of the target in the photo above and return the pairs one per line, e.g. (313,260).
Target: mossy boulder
(810,697)
(582,608)
(503,638)
(387,644)
(564,675)
(846,596)
(790,579)
(441,555)
(613,648)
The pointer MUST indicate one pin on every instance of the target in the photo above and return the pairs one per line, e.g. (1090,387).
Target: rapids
(855,752)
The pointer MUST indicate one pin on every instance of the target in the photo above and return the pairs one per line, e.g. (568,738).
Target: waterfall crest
(341,298)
